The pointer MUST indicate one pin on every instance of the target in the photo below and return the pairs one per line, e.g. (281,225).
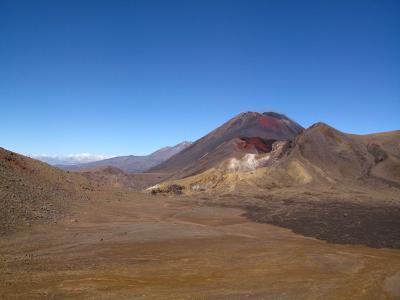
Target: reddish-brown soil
(143,247)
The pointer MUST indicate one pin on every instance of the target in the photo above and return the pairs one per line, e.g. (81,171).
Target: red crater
(254,144)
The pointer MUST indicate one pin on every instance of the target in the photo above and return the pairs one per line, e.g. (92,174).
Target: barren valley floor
(147,247)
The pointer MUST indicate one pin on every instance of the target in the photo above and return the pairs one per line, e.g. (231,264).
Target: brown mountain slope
(229,140)
(385,148)
(319,156)
(34,192)
(322,155)
(332,155)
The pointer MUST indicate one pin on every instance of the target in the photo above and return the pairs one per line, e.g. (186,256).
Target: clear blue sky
(127,77)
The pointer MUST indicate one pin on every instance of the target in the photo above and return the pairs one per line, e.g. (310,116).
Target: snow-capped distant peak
(71,159)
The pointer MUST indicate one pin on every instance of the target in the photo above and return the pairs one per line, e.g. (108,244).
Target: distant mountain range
(72,159)
(131,163)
